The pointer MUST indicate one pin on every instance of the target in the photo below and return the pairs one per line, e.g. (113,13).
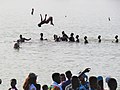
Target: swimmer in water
(99,39)
(77,38)
(16,45)
(46,21)
(116,37)
(23,39)
(41,37)
(86,41)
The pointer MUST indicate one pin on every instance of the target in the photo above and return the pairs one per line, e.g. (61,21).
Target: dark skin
(45,21)
(32,11)
(23,39)
(86,70)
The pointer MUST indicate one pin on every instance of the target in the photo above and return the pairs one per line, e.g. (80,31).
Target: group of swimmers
(64,37)
(68,81)
(21,40)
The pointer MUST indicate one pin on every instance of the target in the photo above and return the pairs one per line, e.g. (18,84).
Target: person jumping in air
(46,21)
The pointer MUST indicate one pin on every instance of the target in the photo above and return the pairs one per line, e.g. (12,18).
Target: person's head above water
(85,37)
(116,37)
(41,34)
(71,34)
(77,36)
(20,36)
(99,36)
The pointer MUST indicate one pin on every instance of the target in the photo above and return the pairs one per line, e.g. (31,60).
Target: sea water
(81,17)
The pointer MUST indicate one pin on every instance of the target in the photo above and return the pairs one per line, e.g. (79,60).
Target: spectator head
(32,78)
(68,74)
(112,84)
(100,82)
(44,87)
(56,77)
(13,82)
(62,77)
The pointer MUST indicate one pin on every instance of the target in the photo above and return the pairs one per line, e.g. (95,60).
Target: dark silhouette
(13,83)
(62,78)
(93,83)
(75,83)
(32,11)
(30,82)
(50,19)
(84,81)
(112,84)
(64,36)
(71,39)
(109,18)
(56,82)
(77,38)
(56,38)
(116,37)
(16,45)
(83,72)
(0,81)
(86,41)
(99,39)
(45,87)
(100,82)
(23,39)
(69,76)
(41,37)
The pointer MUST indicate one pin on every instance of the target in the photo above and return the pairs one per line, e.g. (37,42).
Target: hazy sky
(64,6)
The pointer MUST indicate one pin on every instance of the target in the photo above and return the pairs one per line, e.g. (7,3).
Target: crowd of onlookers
(66,81)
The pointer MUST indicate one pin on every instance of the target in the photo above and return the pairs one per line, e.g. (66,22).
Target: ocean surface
(82,17)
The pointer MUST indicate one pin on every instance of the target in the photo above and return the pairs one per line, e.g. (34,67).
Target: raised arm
(86,70)
(27,39)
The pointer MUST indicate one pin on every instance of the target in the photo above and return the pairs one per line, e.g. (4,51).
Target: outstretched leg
(45,17)
(50,19)
(41,17)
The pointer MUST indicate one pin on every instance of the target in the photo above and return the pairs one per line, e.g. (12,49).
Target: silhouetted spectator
(100,82)
(13,83)
(56,81)
(67,82)
(30,82)
(112,84)
(45,87)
